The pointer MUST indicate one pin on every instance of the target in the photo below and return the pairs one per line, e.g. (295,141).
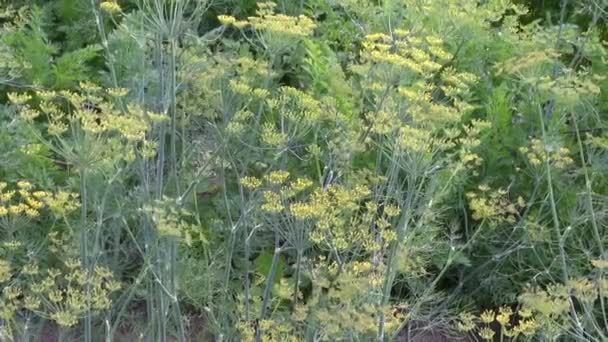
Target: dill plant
(303,171)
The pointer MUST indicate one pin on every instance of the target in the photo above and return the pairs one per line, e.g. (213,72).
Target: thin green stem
(88,324)
(269,284)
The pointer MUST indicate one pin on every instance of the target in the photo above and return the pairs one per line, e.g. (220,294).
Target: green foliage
(303,170)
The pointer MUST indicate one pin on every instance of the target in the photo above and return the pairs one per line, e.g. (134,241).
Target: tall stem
(297,277)
(268,288)
(159,179)
(588,189)
(84,251)
(173,112)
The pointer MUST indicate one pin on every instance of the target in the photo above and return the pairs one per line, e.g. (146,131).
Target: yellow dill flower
(240,87)
(7,196)
(113,285)
(56,296)
(226,19)
(527,327)
(243,115)
(64,318)
(272,202)
(299,26)
(103,271)
(466,322)
(110,7)
(72,263)
(31,303)
(251,183)
(5,271)
(56,127)
(597,263)
(504,316)
(302,211)
(300,185)
(12,292)
(271,136)
(487,316)
(12,244)
(62,203)
(235,128)
(392,210)
(240,24)
(31,269)
(24,185)
(383,122)
(389,236)
(411,138)
(32,149)
(277,177)
(89,87)
(31,212)
(19,99)
(486,333)
(148,149)
(521,202)
(491,205)
(118,92)
(28,114)
(16,209)
(46,95)
(40,194)
(583,289)
(545,303)
(538,152)
(525,313)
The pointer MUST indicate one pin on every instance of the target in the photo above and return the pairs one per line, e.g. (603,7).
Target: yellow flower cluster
(552,307)
(597,141)
(91,111)
(551,303)
(276,177)
(5,271)
(23,200)
(333,215)
(9,302)
(272,202)
(110,6)
(61,295)
(298,111)
(422,57)
(419,112)
(531,60)
(382,122)
(239,122)
(414,139)
(332,211)
(343,305)
(492,206)
(301,106)
(280,190)
(266,20)
(538,152)
(584,289)
(297,186)
(250,182)
(272,136)
(526,324)
(600,264)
